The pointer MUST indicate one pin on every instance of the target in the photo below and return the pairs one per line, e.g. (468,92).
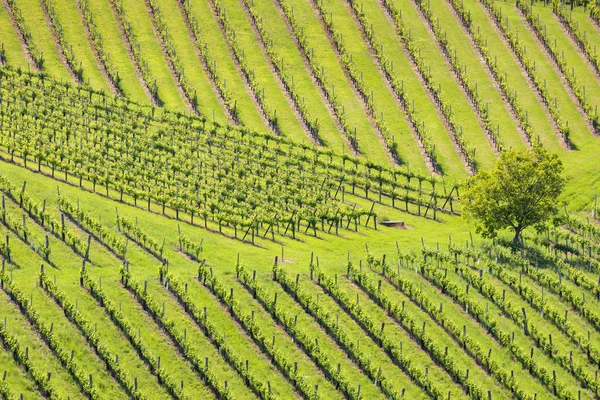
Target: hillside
(261,199)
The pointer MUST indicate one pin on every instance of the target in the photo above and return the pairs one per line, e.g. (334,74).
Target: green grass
(190,60)
(438,375)
(368,143)
(283,43)
(257,59)
(330,252)
(39,354)
(75,35)
(10,42)
(394,118)
(508,63)
(111,37)
(468,57)
(249,113)
(573,55)
(592,31)
(17,380)
(521,340)
(461,107)
(42,37)
(474,330)
(416,93)
(153,55)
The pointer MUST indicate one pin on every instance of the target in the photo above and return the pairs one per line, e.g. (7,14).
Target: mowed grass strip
(39,355)
(354,109)
(236,338)
(469,58)
(461,106)
(272,94)
(110,336)
(587,27)
(394,331)
(327,345)
(75,35)
(11,45)
(283,341)
(509,64)
(523,341)
(475,331)
(152,54)
(395,50)
(17,381)
(283,43)
(109,29)
(188,56)
(147,266)
(574,56)
(243,345)
(579,132)
(207,23)
(67,276)
(394,376)
(66,333)
(364,61)
(42,37)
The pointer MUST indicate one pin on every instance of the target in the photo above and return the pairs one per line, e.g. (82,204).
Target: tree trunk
(517,238)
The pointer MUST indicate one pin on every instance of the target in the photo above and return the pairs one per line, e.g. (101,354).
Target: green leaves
(521,191)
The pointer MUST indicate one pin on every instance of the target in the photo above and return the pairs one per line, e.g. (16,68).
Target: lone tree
(521,191)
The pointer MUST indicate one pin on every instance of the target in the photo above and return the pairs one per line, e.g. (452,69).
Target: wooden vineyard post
(369,215)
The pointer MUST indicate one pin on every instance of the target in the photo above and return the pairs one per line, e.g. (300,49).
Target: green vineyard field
(261,199)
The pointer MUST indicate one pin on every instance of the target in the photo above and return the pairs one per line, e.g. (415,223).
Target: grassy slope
(461,108)
(425,110)
(509,63)
(39,354)
(152,53)
(573,55)
(10,42)
(580,164)
(249,113)
(283,43)
(188,56)
(42,37)
(75,35)
(394,118)
(592,31)
(257,59)
(469,57)
(109,29)
(368,143)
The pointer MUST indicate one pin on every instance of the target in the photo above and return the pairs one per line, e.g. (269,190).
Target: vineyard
(241,199)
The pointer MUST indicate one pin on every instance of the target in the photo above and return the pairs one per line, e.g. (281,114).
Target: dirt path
(357,94)
(492,78)
(13,22)
(113,88)
(59,49)
(158,36)
(127,44)
(230,115)
(275,72)
(557,70)
(238,68)
(314,80)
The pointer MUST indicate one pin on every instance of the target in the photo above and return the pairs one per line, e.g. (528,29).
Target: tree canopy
(522,190)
